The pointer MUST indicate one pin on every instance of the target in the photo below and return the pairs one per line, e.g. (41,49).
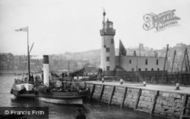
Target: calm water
(91,110)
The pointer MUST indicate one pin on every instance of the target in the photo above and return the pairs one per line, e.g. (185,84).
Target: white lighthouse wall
(107,42)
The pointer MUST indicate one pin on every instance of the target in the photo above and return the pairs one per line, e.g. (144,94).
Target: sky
(59,26)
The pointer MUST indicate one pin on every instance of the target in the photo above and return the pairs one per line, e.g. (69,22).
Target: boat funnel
(46,70)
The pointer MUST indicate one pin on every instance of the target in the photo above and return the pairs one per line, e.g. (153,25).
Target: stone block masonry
(162,103)
(169,104)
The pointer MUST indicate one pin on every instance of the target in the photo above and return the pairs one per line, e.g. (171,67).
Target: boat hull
(68,98)
(72,101)
(26,94)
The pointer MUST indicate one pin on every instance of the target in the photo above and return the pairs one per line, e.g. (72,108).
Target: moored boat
(59,90)
(24,87)
(63,97)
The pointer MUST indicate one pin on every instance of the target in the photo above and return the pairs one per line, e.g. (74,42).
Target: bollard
(144,83)
(177,86)
(121,81)
(102,80)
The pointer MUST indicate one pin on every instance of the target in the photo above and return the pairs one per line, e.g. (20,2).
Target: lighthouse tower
(107,62)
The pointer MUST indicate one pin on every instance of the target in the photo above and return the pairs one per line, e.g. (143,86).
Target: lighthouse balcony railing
(107,31)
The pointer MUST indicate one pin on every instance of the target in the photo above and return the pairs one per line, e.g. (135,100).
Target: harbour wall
(162,103)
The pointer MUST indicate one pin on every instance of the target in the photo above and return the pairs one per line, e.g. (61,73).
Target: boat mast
(28,52)
(26,29)
(185,61)
(68,68)
(173,60)
(164,68)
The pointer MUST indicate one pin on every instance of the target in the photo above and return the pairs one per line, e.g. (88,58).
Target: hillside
(77,60)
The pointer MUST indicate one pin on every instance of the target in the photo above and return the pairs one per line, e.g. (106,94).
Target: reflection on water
(91,110)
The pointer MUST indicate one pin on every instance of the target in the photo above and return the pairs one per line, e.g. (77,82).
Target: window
(158,69)
(110,25)
(146,69)
(132,69)
(107,49)
(130,61)
(152,69)
(146,62)
(108,68)
(139,69)
(107,58)
(157,62)
(112,41)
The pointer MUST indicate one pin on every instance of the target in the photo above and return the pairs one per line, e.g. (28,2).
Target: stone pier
(163,101)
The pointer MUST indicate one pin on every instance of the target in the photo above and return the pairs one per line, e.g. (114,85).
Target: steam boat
(50,88)
(63,96)
(60,90)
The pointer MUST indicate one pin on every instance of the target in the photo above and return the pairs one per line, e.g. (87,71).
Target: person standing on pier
(80,115)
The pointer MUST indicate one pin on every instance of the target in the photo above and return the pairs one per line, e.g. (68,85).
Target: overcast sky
(59,26)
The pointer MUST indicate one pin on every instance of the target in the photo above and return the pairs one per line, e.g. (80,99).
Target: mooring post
(138,97)
(102,90)
(93,88)
(111,96)
(154,102)
(124,95)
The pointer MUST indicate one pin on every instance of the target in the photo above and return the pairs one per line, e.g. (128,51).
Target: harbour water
(91,110)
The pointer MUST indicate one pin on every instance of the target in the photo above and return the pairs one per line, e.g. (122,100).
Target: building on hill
(124,64)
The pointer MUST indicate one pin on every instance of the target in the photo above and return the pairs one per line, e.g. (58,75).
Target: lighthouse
(107,62)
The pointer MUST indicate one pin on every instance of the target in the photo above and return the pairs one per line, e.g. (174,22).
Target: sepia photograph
(94,59)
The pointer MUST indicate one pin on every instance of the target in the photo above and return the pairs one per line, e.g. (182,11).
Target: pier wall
(162,103)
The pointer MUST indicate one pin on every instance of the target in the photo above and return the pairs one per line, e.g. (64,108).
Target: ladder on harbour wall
(185,107)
